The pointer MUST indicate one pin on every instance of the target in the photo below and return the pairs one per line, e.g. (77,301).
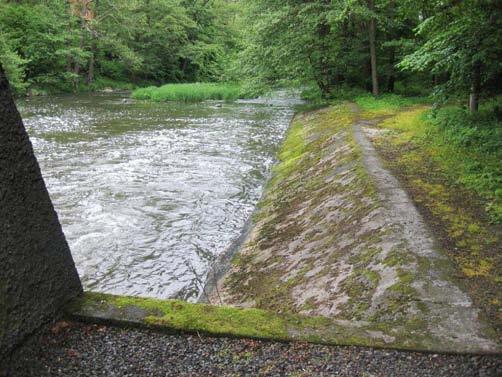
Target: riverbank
(99,85)
(337,235)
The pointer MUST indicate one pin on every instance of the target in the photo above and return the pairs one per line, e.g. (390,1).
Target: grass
(384,105)
(189,92)
(466,147)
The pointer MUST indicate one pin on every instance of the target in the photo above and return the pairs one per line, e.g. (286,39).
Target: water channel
(149,194)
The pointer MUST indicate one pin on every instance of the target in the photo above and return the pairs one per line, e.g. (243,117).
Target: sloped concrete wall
(37,273)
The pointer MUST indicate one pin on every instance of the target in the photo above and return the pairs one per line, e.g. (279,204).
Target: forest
(450,48)
(442,52)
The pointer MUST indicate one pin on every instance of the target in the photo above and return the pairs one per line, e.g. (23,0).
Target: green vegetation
(75,45)
(470,151)
(189,92)
(448,48)
(467,146)
(449,159)
(385,104)
(331,49)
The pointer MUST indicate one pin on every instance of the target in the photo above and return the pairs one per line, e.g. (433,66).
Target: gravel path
(75,349)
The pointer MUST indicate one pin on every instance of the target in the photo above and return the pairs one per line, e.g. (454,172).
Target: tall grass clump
(189,92)
(386,103)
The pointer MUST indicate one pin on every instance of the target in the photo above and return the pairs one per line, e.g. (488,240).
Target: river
(149,194)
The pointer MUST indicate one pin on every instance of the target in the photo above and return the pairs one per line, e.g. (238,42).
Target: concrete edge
(179,317)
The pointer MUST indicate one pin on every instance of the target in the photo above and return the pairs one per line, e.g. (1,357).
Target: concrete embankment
(337,236)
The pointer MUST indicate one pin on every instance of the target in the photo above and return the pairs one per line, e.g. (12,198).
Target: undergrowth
(470,149)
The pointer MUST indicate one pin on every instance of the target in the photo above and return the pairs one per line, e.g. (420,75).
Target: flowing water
(149,194)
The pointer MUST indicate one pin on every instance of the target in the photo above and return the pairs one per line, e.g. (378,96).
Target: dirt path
(337,236)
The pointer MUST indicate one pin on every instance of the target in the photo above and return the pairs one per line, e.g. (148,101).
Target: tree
(77,42)
(461,43)
(373,54)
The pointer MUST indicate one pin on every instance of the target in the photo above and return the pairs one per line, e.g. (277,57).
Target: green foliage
(457,40)
(473,150)
(61,46)
(189,92)
(325,42)
(387,103)
(35,34)
(13,65)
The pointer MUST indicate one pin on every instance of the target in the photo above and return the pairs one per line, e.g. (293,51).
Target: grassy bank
(189,92)
(449,162)
(467,148)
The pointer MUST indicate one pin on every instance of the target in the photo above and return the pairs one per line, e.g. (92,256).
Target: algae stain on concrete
(337,236)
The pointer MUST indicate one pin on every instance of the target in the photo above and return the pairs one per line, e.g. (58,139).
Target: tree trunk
(372,37)
(475,88)
(392,75)
(76,67)
(324,30)
(69,60)
(147,12)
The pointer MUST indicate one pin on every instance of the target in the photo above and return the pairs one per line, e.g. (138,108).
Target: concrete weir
(37,274)
(337,236)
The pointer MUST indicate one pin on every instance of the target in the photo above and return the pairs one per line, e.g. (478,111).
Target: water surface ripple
(149,194)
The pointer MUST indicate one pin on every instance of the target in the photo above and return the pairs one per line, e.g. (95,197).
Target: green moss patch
(173,316)
(180,316)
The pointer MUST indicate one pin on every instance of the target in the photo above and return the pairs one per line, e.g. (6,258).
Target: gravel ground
(74,349)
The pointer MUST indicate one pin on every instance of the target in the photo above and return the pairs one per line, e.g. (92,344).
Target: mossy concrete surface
(173,316)
(337,236)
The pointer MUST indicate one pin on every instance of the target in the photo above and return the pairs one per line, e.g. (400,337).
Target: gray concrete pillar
(37,273)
